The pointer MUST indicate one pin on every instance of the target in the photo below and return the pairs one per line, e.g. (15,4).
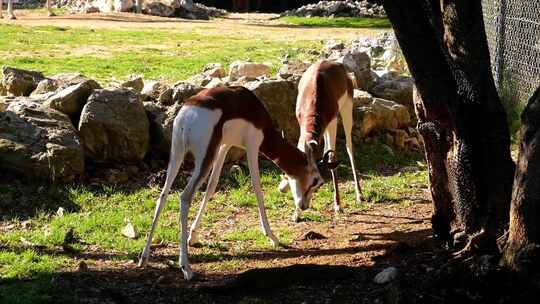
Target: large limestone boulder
(293,69)
(39,142)
(392,86)
(3,90)
(183,90)
(240,69)
(59,82)
(358,63)
(279,98)
(379,115)
(153,89)
(157,8)
(72,99)
(214,70)
(161,124)
(18,82)
(114,127)
(135,82)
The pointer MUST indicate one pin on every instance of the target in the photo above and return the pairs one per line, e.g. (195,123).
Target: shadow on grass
(295,283)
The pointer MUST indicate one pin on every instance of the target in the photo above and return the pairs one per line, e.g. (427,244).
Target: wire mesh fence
(513,32)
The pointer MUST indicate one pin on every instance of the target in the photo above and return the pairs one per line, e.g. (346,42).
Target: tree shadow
(310,283)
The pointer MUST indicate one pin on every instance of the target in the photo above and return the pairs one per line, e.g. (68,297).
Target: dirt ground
(262,25)
(336,269)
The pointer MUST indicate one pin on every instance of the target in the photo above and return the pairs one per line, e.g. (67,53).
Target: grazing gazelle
(324,90)
(207,126)
(11,15)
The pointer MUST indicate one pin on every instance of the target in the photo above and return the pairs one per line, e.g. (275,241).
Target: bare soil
(234,25)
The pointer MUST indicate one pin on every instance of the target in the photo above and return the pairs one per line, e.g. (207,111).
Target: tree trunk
(522,250)
(461,119)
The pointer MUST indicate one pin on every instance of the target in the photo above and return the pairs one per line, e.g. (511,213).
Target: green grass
(343,22)
(105,54)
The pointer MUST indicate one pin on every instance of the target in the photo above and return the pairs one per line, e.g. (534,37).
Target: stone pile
(162,8)
(347,8)
(52,127)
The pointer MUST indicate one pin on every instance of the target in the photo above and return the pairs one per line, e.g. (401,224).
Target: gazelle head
(302,187)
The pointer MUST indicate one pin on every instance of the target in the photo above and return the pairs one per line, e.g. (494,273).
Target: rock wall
(51,125)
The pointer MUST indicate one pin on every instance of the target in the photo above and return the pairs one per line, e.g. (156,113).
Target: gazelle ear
(283,184)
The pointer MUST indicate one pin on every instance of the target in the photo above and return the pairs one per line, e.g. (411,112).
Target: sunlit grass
(344,22)
(105,54)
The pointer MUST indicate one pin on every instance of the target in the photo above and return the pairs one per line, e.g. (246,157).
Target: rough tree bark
(461,118)
(522,250)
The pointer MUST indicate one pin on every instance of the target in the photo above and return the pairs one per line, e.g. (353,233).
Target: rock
(248,69)
(165,97)
(156,8)
(115,176)
(413,144)
(379,115)
(114,127)
(392,86)
(400,137)
(161,122)
(152,90)
(279,98)
(58,82)
(123,5)
(129,231)
(361,98)
(18,82)
(71,100)
(39,143)
(289,70)
(386,276)
(214,70)
(359,63)
(183,90)
(346,8)
(333,45)
(135,82)
(215,83)
(200,80)
(45,86)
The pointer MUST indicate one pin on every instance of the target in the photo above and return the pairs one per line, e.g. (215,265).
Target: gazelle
(324,90)
(207,126)
(11,15)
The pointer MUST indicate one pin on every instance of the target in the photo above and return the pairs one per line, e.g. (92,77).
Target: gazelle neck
(286,156)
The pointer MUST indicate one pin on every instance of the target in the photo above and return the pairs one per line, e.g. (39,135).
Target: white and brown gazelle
(11,15)
(325,90)
(207,126)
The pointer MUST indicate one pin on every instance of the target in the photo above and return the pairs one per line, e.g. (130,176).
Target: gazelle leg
(330,144)
(347,118)
(199,174)
(174,165)
(10,13)
(253,162)
(210,189)
(49,9)
(1,4)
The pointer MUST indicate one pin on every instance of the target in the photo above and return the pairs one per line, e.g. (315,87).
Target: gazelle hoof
(193,238)
(12,17)
(297,216)
(274,241)
(337,209)
(51,14)
(143,260)
(188,274)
